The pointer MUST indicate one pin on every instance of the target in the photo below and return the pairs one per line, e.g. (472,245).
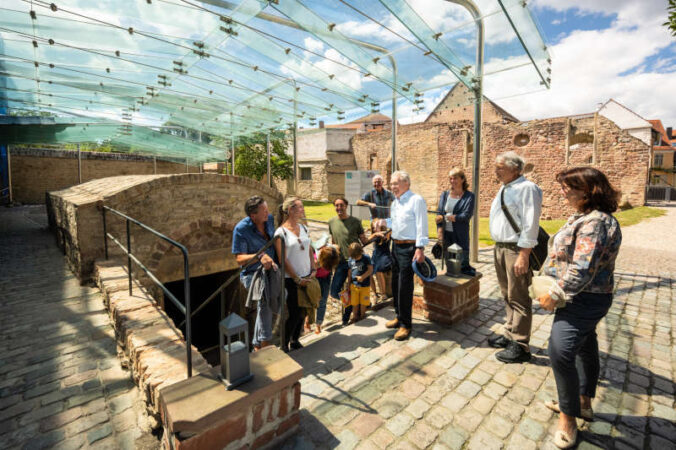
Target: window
(521,140)
(306,173)
(659,160)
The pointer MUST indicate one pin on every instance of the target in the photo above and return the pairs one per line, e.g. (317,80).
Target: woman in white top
(299,265)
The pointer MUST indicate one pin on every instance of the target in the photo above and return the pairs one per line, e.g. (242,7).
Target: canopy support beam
(477,90)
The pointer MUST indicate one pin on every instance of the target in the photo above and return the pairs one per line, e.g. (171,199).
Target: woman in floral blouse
(582,259)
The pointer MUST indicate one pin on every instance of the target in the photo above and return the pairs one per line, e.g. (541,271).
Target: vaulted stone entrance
(197,210)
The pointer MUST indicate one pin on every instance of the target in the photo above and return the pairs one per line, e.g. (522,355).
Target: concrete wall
(314,143)
(427,151)
(197,210)
(37,171)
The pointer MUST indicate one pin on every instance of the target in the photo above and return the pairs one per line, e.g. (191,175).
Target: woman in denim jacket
(582,259)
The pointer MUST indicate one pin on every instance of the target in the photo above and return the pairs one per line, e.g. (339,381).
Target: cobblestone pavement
(443,388)
(61,383)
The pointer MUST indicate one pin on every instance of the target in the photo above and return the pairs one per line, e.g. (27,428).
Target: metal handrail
(253,260)
(186,310)
(234,276)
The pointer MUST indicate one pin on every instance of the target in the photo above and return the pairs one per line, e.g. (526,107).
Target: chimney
(321,124)
(670,133)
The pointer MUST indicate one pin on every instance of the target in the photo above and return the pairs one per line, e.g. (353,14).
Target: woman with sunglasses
(299,265)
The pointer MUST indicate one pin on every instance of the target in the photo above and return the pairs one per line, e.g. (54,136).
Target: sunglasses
(302,247)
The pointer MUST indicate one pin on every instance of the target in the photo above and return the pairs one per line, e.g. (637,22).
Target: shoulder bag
(538,253)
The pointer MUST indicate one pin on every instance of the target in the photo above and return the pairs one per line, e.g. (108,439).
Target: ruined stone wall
(417,153)
(197,210)
(37,171)
(459,105)
(428,151)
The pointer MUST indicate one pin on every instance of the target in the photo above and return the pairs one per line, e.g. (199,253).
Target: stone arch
(208,241)
(200,209)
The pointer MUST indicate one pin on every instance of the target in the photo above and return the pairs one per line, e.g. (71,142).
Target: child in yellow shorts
(359,274)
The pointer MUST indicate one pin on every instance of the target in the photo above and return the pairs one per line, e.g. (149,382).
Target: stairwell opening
(205,333)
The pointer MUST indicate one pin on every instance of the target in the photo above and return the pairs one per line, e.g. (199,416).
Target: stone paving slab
(61,383)
(444,389)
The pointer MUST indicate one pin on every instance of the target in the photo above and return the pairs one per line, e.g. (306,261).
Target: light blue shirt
(409,218)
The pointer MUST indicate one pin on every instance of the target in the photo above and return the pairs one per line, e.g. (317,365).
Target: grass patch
(324,211)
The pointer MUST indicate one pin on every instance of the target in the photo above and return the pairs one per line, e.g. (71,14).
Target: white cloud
(313,45)
(589,67)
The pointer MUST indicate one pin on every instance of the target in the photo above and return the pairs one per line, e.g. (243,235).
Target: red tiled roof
(657,126)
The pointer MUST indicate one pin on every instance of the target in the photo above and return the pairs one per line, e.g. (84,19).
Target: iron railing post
(188,309)
(105,234)
(129,255)
(282,267)
(222,304)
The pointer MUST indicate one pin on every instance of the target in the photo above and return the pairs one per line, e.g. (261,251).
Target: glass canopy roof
(125,71)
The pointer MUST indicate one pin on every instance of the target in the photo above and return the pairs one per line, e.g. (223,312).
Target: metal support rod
(267,146)
(186,165)
(394,114)
(477,90)
(155,165)
(9,174)
(232,154)
(105,234)
(79,165)
(188,310)
(222,305)
(282,306)
(129,255)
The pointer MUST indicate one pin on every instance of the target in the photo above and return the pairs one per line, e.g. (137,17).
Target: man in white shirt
(523,199)
(409,237)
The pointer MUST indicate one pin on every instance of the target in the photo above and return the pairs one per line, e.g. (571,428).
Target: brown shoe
(402,334)
(394,323)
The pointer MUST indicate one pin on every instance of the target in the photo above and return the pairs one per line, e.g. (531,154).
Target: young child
(328,260)
(381,257)
(359,275)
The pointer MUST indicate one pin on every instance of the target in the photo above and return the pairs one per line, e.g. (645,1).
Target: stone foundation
(448,300)
(154,347)
(199,413)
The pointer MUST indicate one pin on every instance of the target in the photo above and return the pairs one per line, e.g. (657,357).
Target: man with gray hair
(522,200)
(377,199)
(409,237)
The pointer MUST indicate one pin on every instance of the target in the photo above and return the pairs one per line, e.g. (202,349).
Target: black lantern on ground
(235,368)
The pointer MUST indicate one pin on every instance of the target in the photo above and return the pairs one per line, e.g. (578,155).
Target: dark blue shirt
(359,267)
(383,199)
(246,239)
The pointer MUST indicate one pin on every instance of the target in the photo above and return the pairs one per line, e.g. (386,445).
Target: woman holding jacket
(582,261)
(455,209)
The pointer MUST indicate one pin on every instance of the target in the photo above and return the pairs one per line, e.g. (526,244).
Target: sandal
(563,440)
(318,329)
(586,413)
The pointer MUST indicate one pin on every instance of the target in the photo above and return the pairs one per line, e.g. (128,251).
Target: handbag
(538,253)
(345,297)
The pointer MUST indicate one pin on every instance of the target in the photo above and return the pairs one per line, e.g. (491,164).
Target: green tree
(251,158)
(671,22)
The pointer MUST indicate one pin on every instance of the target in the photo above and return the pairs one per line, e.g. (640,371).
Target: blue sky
(604,49)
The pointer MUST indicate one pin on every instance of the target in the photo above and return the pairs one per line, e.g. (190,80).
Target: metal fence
(661,193)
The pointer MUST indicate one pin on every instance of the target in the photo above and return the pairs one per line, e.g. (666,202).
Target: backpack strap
(505,210)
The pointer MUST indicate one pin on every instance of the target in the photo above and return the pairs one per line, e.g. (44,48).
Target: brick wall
(37,171)
(428,151)
(197,210)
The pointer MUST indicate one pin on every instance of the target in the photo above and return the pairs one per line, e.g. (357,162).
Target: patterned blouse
(582,254)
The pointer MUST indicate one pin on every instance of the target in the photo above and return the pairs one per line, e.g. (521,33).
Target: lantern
(235,368)
(453,259)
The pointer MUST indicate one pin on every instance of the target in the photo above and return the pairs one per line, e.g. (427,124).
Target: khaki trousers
(518,304)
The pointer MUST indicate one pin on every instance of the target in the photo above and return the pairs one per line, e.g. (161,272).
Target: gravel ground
(650,246)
